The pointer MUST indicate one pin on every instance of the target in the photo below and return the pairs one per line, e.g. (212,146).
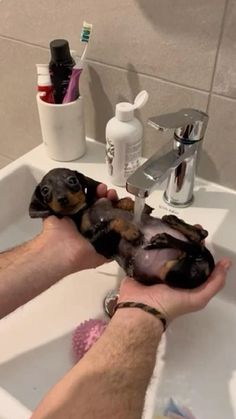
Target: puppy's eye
(44,190)
(72,180)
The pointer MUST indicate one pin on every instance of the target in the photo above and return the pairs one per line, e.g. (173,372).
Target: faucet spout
(155,170)
(176,161)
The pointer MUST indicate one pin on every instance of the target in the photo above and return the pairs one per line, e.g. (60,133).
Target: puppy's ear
(89,187)
(37,208)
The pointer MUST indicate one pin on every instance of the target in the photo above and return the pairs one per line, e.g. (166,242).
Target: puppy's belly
(151,263)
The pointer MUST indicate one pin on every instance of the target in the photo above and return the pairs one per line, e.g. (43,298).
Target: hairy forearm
(28,270)
(9,256)
(112,378)
(31,268)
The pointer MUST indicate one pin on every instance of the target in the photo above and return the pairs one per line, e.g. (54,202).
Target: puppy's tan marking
(126,229)
(126,204)
(166,268)
(85,223)
(76,198)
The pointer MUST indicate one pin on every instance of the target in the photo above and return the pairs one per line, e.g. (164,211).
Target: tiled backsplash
(181,51)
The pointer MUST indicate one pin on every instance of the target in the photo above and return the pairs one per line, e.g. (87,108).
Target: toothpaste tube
(44,83)
(72,92)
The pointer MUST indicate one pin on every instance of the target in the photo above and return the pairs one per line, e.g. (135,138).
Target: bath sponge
(85,335)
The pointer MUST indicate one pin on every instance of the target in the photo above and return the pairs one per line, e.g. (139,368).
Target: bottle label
(122,159)
(110,153)
(132,158)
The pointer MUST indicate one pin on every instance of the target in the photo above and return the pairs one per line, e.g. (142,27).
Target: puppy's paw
(127,230)
(126,204)
(132,234)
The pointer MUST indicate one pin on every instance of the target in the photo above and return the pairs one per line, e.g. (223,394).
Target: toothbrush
(84,37)
(72,92)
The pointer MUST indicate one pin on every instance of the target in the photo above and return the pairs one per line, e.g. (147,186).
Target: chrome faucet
(177,161)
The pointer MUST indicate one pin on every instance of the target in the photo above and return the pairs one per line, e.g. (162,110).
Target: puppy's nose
(63,200)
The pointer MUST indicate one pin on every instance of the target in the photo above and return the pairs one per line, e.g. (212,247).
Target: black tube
(60,68)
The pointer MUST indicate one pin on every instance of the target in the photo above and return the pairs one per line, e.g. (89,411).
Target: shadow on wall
(160,15)
(101,104)
(104,108)
(134,84)
(134,87)
(156,14)
(207,168)
(173,17)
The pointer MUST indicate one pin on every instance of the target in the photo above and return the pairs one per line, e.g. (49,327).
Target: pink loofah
(85,335)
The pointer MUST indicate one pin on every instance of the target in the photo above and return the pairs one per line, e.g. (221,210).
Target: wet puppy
(155,250)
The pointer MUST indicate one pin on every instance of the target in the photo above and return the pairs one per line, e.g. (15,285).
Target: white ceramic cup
(62,128)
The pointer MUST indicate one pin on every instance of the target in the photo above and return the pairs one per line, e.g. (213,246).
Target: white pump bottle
(124,134)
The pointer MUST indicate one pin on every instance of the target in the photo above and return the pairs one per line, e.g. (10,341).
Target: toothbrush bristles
(86,32)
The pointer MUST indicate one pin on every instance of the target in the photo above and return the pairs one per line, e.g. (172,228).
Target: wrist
(136,317)
(72,251)
(146,308)
(53,254)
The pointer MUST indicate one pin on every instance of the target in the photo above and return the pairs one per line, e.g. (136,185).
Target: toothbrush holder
(62,128)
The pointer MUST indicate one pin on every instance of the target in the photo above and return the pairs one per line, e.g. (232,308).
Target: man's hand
(78,254)
(173,302)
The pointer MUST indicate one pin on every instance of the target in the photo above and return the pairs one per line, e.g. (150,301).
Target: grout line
(19,41)
(116,67)
(217,53)
(224,96)
(150,76)
(198,90)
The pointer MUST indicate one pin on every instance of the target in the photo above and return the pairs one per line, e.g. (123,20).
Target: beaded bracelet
(145,307)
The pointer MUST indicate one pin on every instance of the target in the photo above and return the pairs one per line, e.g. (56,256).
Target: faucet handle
(189,124)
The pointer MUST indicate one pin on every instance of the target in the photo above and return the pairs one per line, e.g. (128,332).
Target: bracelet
(145,307)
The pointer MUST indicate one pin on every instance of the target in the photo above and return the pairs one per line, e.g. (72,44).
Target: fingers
(103,192)
(199,226)
(112,195)
(202,295)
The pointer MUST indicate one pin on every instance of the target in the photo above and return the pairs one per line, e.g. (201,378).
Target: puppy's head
(61,191)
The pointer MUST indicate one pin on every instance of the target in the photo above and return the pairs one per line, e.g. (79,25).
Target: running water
(138,208)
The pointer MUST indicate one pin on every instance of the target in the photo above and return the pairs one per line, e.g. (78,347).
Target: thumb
(214,284)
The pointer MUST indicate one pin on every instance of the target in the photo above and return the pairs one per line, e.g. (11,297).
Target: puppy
(156,250)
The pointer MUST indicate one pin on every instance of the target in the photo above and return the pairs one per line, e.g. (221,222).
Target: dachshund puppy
(156,250)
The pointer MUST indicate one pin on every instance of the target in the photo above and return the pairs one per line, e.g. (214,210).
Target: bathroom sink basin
(196,362)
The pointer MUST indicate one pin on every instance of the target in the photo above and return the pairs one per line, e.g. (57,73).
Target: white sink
(196,363)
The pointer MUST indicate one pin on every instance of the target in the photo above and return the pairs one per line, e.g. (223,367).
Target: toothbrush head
(86,32)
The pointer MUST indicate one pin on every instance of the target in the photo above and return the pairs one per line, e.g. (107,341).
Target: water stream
(138,208)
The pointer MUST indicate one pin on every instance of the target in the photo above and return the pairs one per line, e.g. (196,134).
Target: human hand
(74,250)
(173,302)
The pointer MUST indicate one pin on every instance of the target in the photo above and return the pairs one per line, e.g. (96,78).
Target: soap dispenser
(124,134)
